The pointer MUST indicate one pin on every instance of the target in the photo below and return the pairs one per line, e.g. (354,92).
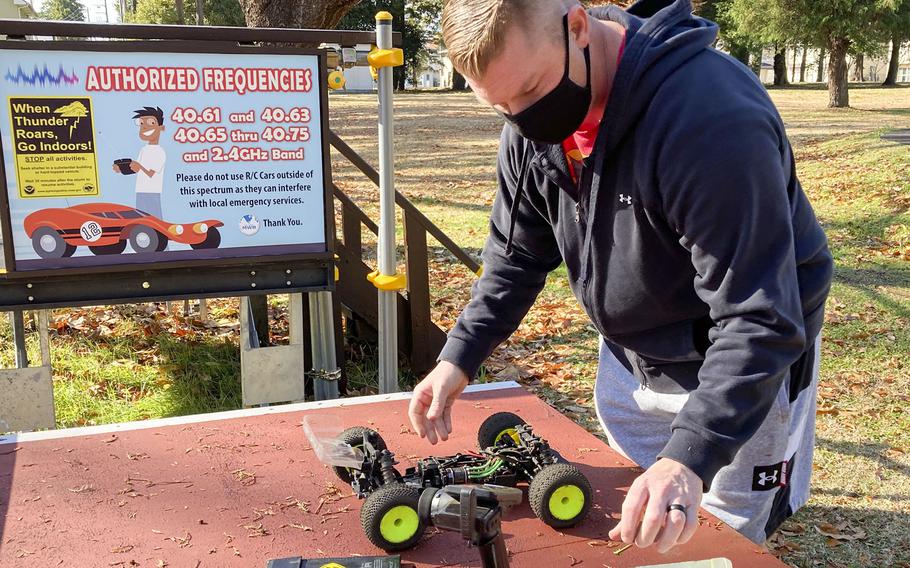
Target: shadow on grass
(866,226)
(892,497)
(886,541)
(865,282)
(440,254)
(824,86)
(362,367)
(870,450)
(842,146)
(436,202)
(897,111)
(205,374)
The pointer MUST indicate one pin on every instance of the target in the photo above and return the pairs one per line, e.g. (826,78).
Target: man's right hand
(431,403)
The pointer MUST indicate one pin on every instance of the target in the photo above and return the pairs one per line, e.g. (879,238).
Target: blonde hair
(474,30)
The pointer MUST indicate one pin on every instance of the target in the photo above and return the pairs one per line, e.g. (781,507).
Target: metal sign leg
(18,322)
(325,365)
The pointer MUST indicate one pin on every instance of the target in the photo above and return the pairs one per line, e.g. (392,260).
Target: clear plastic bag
(322,431)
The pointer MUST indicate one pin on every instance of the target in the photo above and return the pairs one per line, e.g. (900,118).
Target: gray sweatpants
(769,478)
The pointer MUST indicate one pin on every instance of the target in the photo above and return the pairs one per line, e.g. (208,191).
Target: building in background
(17,10)
(874,68)
(903,68)
(101,11)
(436,72)
(357,77)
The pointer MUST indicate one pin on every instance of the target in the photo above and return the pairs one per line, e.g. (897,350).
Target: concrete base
(270,374)
(27,401)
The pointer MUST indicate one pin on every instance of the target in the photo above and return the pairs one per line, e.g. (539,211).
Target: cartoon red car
(105,228)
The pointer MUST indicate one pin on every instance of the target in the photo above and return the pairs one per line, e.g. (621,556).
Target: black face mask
(559,113)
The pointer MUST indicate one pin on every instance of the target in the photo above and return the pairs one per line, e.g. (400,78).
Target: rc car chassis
(510,454)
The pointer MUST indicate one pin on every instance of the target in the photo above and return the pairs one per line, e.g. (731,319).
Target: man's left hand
(646,515)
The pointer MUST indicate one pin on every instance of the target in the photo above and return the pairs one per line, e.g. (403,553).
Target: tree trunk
(891,78)
(459,83)
(740,52)
(858,71)
(178,4)
(802,67)
(838,93)
(755,59)
(312,14)
(820,72)
(780,68)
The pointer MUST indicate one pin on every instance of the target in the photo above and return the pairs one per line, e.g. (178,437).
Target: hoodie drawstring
(513,211)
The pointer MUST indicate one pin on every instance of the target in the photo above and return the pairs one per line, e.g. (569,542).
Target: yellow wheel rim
(567,502)
(399,524)
(510,432)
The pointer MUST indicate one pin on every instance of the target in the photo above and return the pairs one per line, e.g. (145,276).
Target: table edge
(229,414)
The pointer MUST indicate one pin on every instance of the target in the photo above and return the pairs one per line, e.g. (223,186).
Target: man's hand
(431,404)
(135,166)
(645,519)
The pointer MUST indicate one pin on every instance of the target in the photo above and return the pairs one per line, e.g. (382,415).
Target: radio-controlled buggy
(510,454)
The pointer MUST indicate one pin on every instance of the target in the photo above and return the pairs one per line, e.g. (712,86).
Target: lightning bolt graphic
(75,110)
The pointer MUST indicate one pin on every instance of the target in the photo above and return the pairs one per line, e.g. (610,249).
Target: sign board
(140,155)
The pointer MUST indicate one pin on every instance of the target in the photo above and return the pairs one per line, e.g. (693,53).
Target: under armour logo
(627,199)
(767,477)
(764,478)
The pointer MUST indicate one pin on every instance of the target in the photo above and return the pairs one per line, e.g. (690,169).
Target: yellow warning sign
(54,146)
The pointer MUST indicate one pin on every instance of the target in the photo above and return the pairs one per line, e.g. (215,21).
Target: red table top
(239,488)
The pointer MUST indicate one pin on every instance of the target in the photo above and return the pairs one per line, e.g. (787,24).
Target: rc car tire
(115,248)
(560,495)
(212,240)
(354,438)
(48,243)
(145,239)
(495,427)
(390,519)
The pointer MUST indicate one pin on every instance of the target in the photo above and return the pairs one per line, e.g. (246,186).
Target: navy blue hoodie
(690,245)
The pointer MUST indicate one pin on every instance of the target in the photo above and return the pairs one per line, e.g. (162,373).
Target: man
(149,166)
(687,239)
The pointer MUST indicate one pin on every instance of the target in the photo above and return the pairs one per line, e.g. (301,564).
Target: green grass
(136,362)
(133,363)
(861,192)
